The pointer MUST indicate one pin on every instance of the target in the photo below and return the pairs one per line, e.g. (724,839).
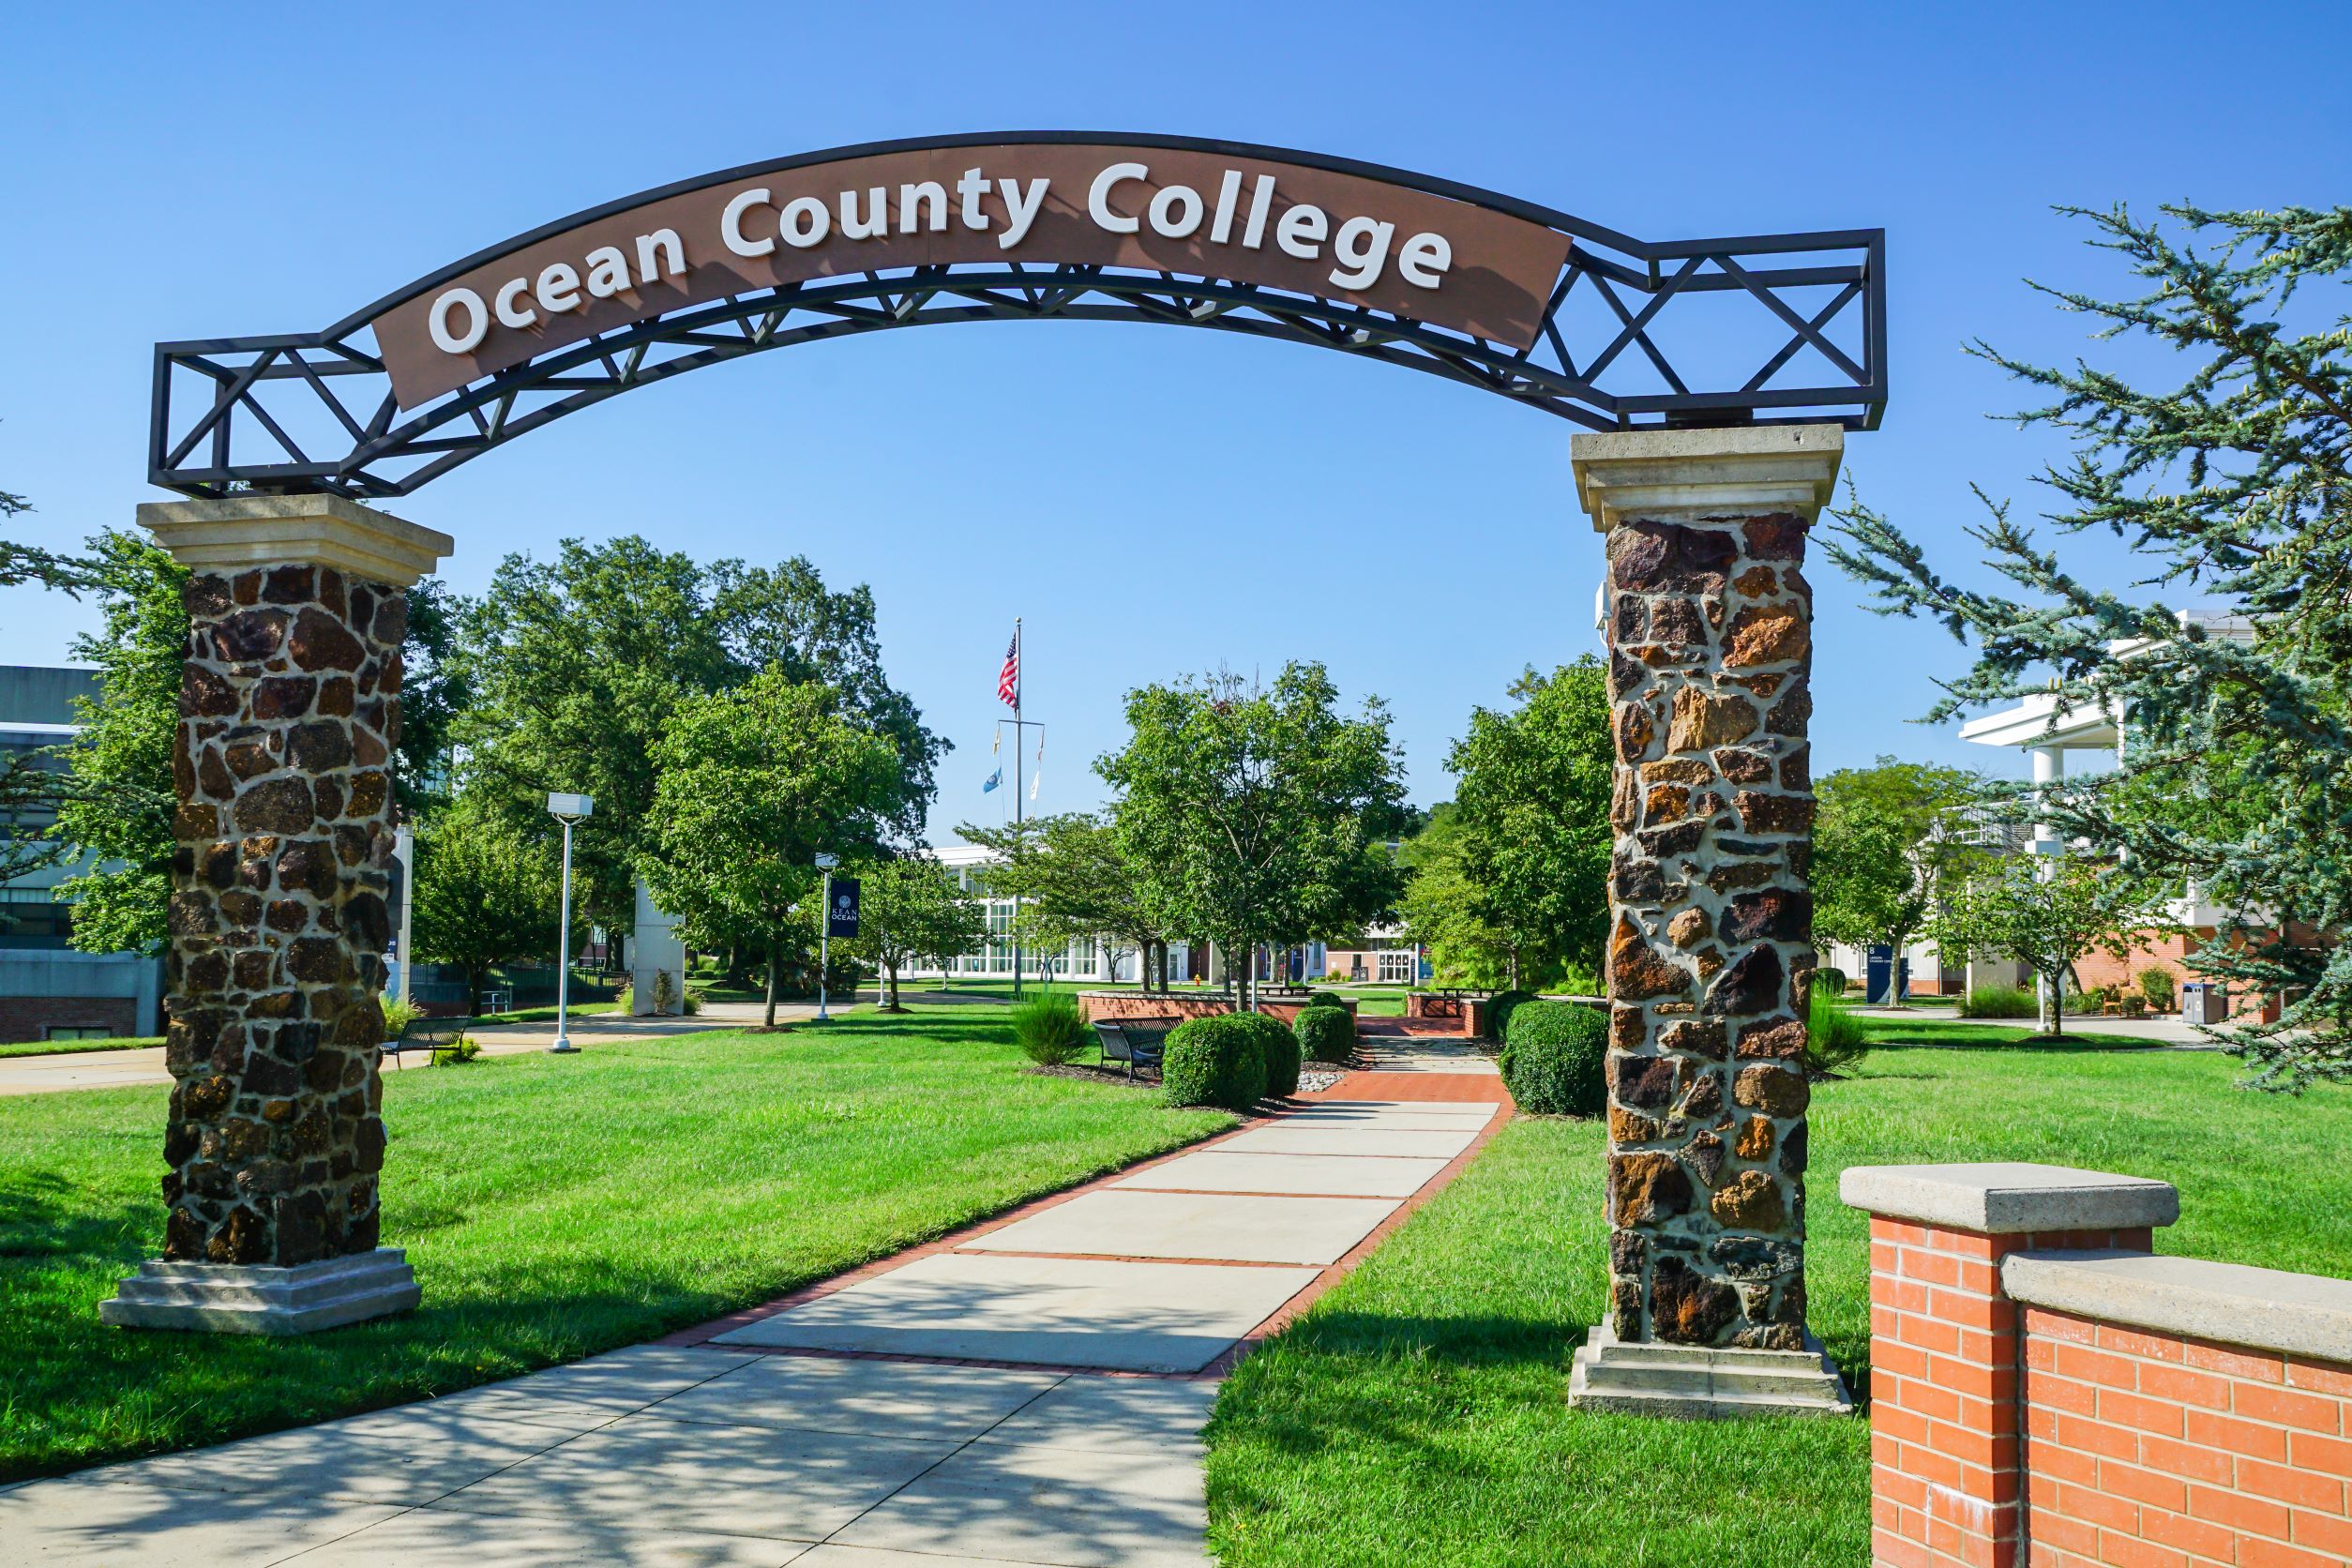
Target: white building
(47,990)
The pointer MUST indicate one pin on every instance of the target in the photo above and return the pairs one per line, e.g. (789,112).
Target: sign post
(566,809)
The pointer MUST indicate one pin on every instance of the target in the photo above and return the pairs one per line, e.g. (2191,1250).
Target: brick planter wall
(24,1018)
(1136,1005)
(2066,1398)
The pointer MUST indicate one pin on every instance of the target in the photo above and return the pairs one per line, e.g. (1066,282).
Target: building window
(76,1032)
(1396,964)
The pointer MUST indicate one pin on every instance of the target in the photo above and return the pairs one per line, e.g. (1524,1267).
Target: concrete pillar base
(255,1298)
(1695,1381)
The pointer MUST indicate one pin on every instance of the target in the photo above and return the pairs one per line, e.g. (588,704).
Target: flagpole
(1020,673)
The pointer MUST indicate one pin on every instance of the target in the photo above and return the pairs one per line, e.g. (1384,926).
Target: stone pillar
(289,711)
(1709,621)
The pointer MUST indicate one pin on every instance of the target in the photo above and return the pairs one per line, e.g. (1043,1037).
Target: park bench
(430,1035)
(1138,1042)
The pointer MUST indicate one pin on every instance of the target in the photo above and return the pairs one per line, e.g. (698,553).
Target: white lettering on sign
(752,224)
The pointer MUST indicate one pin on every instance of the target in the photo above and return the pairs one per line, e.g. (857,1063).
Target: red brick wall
(1945,1445)
(1137,1005)
(2150,1448)
(2003,1433)
(24,1018)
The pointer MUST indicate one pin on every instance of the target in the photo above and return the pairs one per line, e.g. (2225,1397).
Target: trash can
(2201,1003)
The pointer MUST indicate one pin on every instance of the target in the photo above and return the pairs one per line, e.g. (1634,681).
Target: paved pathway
(2170,1028)
(110,1069)
(1028,1392)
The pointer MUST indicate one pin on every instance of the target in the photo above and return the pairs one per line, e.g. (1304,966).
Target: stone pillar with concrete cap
(1709,622)
(289,713)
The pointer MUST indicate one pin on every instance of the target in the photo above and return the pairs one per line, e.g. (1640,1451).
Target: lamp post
(566,809)
(825,863)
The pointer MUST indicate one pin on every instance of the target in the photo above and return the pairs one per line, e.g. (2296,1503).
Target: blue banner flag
(994,779)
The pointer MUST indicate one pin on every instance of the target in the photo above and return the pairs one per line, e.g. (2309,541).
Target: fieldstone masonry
(288,717)
(1708,616)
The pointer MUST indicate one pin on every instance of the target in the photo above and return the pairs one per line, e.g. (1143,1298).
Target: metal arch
(234,441)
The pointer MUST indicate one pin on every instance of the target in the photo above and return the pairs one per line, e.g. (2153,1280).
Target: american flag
(1009,681)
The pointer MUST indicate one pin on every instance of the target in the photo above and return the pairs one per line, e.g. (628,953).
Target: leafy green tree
(433,696)
(22,563)
(1249,812)
(1075,884)
(2047,915)
(1532,807)
(117,801)
(751,783)
(2230,483)
(486,894)
(912,908)
(1887,840)
(1447,912)
(575,667)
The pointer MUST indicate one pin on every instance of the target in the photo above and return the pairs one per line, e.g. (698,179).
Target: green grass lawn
(546,1014)
(553,1207)
(67,1047)
(1941,1030)
(1416,1415)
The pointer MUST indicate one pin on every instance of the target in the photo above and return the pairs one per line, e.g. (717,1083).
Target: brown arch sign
(1305,230)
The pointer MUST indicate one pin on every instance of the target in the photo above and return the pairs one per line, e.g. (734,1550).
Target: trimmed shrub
(1998,1002)
(1215,1061)
(1834,1039)
(1326,1033)
(1499,1010)
(1050,1031)
(2156,984)
(1282,1052)
(1553,1059)
(1829,982)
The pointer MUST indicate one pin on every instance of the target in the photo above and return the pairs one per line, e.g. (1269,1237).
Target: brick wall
(2053,1397)
(1945,1449)
(24,1018)
(1139,1004)
(2162,1449)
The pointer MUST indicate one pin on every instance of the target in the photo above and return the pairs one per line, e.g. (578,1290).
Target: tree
(116,799)
(1887,840)
(2047,915)
(1532,815)
(433,697)
(751,783)
(1249,811)
(1075,884)
(2230,482)
(575,667)
(912,908)
(484,896)
(22,563)
(1445,909)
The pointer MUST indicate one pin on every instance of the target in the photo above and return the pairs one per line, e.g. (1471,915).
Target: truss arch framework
(1577,321)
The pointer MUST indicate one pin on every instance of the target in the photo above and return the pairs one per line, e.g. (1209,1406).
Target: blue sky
(1153,502)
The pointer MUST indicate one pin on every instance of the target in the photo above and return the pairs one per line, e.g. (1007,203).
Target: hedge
(1555,1058)
(1326,1033)
(1216,1061)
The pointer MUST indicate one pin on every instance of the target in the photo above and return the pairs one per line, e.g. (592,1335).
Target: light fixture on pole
(566,809)
(825,863)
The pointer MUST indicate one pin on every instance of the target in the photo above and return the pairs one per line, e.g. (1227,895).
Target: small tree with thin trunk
(754,783)
(1886,843)
(484,896)
(912,908)
(1247,811)
(2047,915)
(1075,884)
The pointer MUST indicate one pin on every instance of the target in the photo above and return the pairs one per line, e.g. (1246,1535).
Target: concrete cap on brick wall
(2007,1199)
(2263,1309)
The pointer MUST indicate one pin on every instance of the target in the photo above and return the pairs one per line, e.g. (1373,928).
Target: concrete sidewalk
(112,1069)
(1028,1392)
